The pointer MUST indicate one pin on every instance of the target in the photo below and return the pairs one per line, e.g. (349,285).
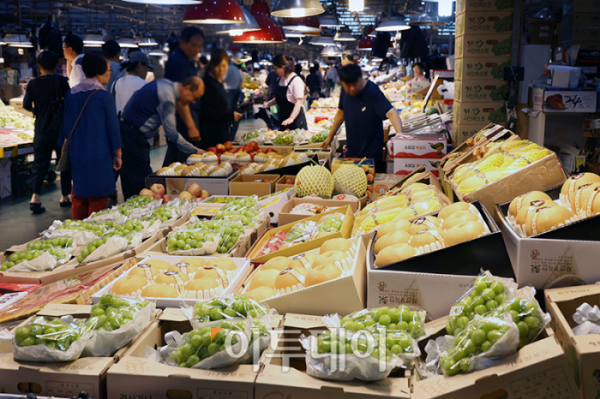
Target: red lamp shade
(366,43)
(270,30)
(214,12)
(304,24)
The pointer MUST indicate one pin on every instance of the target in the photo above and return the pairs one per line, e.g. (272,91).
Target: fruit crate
(177,184)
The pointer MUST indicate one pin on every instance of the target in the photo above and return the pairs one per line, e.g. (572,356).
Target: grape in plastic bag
(402,318)
(331,223)
(488,292)
(229,307)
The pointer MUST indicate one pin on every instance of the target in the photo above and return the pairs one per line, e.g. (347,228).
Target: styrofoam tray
(244,269)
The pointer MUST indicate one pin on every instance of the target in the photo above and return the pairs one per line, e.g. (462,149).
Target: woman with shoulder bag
(91,138)
(45,98)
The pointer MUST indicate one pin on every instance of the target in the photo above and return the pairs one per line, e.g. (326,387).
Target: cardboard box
(319,152)
(462,132)
(541,31)
(419,175)
(540,175)
(245,185)
(473,22)
(277,380)
(429,146)
(557,101)
(342,295)
(136,376)
(486,46)
(538,370)
(243,270)
(467,69)
(565,256)
(345,232)
(404,166)
(483,5)
(478,113)
(589,33)
(384,182)
(285,217)
(582,351)
(435,281)
(281,185)
(586,19)
(271,205)
(478,91)
(176,184)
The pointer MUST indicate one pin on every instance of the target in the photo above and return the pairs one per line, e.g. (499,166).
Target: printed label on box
(404,166)
(417,148)
(570,101)
(475,46)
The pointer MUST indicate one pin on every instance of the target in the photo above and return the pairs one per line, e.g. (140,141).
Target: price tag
(456,310)
(493,131)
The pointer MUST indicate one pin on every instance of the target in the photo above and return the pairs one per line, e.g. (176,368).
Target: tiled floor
(18,225)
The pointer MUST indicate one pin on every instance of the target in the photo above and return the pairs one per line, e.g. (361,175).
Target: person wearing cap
(137,68)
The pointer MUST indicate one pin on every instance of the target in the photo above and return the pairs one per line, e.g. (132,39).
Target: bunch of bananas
(508,158)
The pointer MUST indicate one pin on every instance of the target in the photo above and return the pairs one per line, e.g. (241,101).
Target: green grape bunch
(383,347)
(185,240)
(90,248)
(49,331)
(392,319)
(229,237)
(97,228)
(59,242)
(219,200)
(527,315)
(113,312)
(228,308)
(319,137)
(164,214)
(485,296)
(29,255)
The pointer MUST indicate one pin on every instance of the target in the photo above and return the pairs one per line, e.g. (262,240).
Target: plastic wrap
(274,244)
(33,260)
(206,313)
(48,339)
(328,224)
(410,320)
(65,244)
(488,292)
(107,215)
(193,242)
(588,320)
(300,232)
(102,248)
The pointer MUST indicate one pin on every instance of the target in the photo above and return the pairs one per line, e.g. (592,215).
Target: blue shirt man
(153,105)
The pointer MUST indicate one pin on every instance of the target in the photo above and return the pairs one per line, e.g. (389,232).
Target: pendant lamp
(93,40)
(304,25)
(214,12)
(127,42)
(297,8)
(164,2)
(429,16)
(330,21)
(344,35)
(332,51)
(270,30)
(248,25)
(18,40)
(323,41)
(392,24)
(147,42)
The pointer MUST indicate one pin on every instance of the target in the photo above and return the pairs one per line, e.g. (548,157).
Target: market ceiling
(117,16)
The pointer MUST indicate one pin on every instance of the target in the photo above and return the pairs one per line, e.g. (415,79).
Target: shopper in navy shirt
(180,66)
(363,108)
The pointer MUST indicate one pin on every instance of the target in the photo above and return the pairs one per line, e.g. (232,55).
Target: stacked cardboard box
(581,25)
(483,47)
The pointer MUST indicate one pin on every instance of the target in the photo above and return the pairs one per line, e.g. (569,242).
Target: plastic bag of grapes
(193,242)
(300,232)
(328,224)
(107,215)
(211,312)
(343,356)
(115,322)
(485,341)
(65,244)
(35,260)
(410,320)
(241,204)
(488,292)
(216,347)
(102,248)
(49,339)
(525,312)
(138,206)
(81,232)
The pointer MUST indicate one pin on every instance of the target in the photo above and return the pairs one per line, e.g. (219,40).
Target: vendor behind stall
(363,107)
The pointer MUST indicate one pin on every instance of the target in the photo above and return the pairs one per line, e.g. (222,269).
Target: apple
(184,195)
(146,193)
(254,145)
(239,149)
(252,154)
(212,149)
(260,151)
(194,189)
(158,189)
(291,182)
(220,148)
(158,196)
(228,145)
(248,148)
(269,150)
(167,198)
(205,194)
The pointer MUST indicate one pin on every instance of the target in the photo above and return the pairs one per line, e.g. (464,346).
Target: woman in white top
(289,94)
(137,68)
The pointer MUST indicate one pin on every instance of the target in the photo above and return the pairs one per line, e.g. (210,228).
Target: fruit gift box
(510,169)
(329,278)
(171,280)
(271,243)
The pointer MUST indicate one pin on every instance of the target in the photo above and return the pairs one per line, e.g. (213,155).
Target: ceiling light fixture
(248,25)
(297,8)
(332,51)
(392,24)
(147,42)
(323,41)
(356,5)
(127,43)
(330,21)
(429,16)
(305,24)
(164,2)
(214,12)
(18,40)
(344,35)
(93,40)
(270,30)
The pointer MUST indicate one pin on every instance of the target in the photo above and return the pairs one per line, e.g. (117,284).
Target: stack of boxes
(582,25)
(483,49)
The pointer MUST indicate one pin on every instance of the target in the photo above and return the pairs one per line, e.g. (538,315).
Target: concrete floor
(18,225)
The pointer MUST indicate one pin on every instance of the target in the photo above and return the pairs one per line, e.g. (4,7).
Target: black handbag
(58,106)
(64,165)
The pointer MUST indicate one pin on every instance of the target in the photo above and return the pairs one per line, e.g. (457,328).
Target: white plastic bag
(207,248)
(588,320)
(105,343)
(113,246)
(45,261)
